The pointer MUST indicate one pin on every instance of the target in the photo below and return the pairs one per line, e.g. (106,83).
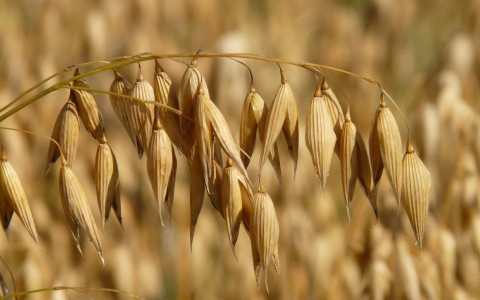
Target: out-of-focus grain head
(254,114)
(66,132)
(77,209)
(335,110)
(416,191)
(121,105)
(266,230)
(320,135)
(141,113)
(107,181)
(348,159)
(12,192)
(407,278)
(165,94)
(87,108)
(282,116)
(160,165)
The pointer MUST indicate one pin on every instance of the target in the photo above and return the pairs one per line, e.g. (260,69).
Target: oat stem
(77,289)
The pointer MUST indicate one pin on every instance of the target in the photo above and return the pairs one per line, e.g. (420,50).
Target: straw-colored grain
(107,180)
(11,191)
(266,230)
(160,165)
(282,116)
(336,112)
(77,208)
(320,136)
(349,160)
(87,109)
(416,191)
(197,191)
(66,132)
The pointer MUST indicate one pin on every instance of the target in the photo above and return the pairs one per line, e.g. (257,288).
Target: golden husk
(107,180)
(166,95)
(66,132)
(159,166)
(122,106)
(348,160)
(141,114)
(335,110)
(77,209)
(11,191)
(320,136)
(415,191)
(87,109)
(266,230)
(231,203)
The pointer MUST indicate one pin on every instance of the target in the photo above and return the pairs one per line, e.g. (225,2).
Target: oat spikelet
(204,139)
(87,108)
(282,116)
(160,165)
(415,191)
(320,136)
(233,190)
(266,230)
(254,114)
(141,114)
(122,106)
(107,180)
(66,132)
(390,144)
(11,191)
(166,95)
(348,160)
(190,85)
(221,132)
(77,209)
(335,111)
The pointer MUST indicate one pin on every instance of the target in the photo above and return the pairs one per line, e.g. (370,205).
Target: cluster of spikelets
(158,120)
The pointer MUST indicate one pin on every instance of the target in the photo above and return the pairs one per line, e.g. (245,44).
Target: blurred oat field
(424,53)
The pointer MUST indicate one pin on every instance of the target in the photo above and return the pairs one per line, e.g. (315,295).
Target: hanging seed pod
(77,209)
(385,149)
(335,110)
(11,191)
(348,160)
(160,165)
(204,140)
(197,191)
(140,117)
(122,106)
(254,114)
(107,180)
(416,191)
(221,132)
(266,230)
(190,86)
(66,132)
(166,95)
(282,116)
(87,108)
(320,136)
(233,190)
